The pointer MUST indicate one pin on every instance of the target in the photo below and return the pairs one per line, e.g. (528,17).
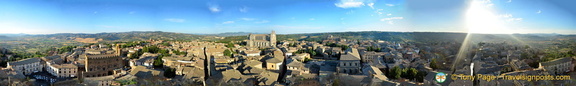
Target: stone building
(62,70)
(558,66)
(262,40)
(102,65)
(350,62)
(26,66)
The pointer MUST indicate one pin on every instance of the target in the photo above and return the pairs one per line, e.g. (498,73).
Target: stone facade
(64,70)
(102,65)
(350,62)
(262,40)
(27,66)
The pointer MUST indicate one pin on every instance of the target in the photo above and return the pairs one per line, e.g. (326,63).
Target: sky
(287,16)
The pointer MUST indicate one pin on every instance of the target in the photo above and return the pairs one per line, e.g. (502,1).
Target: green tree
(230,45)
(158,63)
(434,64)
(65,49)
(151,49)
(411,73)
(420,76)
(227,52)
(166,44)
(170,73)
(396,72)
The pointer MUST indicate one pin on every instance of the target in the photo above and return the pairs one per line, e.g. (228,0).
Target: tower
(273,38)
(250,41)
(118,50)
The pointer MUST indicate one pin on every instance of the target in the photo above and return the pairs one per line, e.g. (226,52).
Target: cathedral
(262,40)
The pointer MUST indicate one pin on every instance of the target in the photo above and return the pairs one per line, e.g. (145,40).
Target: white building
(147,59)
(26,66)
(558,66)
(350,62)
(63,70)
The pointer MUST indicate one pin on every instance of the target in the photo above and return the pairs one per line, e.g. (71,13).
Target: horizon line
(282,33)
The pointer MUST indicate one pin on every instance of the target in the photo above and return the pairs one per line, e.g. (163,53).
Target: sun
(481,19)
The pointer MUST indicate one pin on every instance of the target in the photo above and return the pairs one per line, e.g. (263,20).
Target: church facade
(261,40)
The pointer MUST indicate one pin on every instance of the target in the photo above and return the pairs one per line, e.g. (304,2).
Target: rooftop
(352,54)
(557,61)
(273,60)
(25,61)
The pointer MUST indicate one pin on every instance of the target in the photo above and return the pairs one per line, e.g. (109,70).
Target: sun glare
(481,19)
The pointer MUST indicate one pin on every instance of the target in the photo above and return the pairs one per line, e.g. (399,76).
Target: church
(262,40)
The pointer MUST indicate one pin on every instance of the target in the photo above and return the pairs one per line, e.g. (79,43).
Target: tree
(177,52)
(158,63)
(230,45)
(411,73)
(395,72)
(227,52)
(166,44)
(151,49)
(170,73)
(420,76)
(66,49)
(433,64)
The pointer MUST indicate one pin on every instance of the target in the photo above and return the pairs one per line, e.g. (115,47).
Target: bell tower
(273,38)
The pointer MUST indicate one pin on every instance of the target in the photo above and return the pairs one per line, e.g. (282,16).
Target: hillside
(35,43)
(125,36)
(534,40)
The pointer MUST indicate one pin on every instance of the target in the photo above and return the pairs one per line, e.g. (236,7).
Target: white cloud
(389,14)
(213,8)
(371,5)
(539,11)
(175,20)
(390,5)
(509,18)
(509,1)
(391,18)
(514,19)
(311,19)
(247,19)
(228,22)
(390,22)
(489,5)
(243,9)
(263,21)
(349,3)
(506,15)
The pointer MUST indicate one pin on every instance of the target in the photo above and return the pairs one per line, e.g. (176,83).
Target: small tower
(273,38)
(118,50)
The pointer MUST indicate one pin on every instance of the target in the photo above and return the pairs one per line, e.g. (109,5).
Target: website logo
(441,77)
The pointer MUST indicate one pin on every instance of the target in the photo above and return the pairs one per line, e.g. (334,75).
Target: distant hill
(227,34)
(124,36)
(536,40)
(2,37)
(13,35)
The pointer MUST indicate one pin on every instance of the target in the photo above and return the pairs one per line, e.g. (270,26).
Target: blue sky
(287,16)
